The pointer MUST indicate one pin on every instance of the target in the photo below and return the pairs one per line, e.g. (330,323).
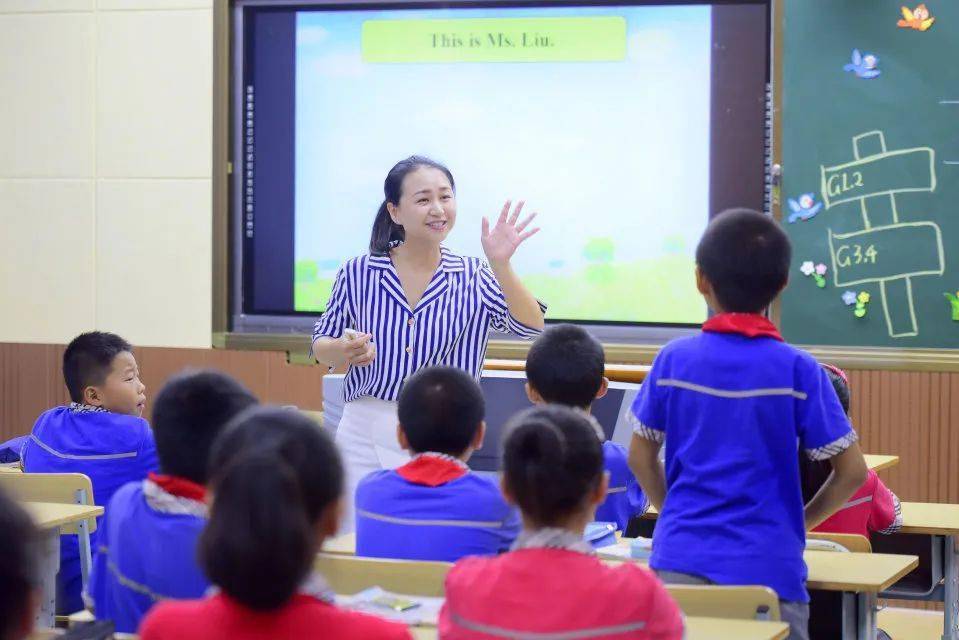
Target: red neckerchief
(432,470)
(751,325)
(180,487)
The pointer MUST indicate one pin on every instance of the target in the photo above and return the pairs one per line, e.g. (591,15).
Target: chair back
(348,575)
(714,601)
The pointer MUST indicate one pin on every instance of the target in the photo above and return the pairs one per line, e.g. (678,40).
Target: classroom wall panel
(46,113)
(914,415)
(154,256)
(46,268)
(106,91)
(127,5)
(45,6)
(154,94)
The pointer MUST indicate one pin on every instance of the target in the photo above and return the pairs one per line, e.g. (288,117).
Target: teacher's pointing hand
(499,244)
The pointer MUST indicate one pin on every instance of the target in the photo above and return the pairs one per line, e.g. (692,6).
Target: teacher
(412,303)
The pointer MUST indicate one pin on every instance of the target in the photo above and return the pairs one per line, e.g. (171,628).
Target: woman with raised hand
(412,303)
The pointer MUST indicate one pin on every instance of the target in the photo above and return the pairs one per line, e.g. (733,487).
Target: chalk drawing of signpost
(886,251)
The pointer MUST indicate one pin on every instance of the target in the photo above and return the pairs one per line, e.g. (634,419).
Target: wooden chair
(63,488)
(850,541)
(714,601)
(348,575)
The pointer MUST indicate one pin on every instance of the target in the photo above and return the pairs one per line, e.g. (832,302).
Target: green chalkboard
(880,158)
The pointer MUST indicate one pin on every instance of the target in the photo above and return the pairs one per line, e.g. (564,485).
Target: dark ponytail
(274,474)
(386,233)
(814,473)
(552,461)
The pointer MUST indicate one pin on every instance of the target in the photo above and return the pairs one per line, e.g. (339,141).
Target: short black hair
(745,256)
(552,461)
(21,556)
(566,365)
(88,359)
(274,472)
(190,411)
(440,409)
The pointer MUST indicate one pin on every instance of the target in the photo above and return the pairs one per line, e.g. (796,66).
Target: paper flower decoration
(864,297)
(821,269)
(807,268)
(849,298)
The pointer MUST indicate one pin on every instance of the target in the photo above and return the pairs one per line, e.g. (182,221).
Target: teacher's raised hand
(500,242)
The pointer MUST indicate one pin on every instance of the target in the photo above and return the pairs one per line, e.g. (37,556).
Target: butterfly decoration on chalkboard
(864,66)
(918,19)
(804,208)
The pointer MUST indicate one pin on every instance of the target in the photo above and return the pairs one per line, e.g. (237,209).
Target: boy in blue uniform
(433,507)
(100,434)
(565,366)
(147,544)
(732,403)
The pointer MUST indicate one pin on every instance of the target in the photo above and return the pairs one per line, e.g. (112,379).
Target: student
(100,434)
(551,583)
(19,582)
(732,402)
(277,482)
(565,366)
(433,507)
(873,508)
(148,535)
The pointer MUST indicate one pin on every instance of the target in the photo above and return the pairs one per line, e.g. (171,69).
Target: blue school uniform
(110,448)
(732,403)
(11,449)
(625,498)
(146,550)
(432,508)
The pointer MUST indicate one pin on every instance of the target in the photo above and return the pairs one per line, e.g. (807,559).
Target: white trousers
(366,437)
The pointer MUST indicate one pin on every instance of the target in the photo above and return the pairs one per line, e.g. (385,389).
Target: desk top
(851,572)
(344,545)
(879,462)
(930,518)
(828,570)
(50,515)
(858,572)
(697,628)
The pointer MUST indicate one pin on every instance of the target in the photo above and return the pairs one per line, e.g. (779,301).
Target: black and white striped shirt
(449,326)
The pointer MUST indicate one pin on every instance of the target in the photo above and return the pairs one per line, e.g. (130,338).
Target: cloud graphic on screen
(309,36)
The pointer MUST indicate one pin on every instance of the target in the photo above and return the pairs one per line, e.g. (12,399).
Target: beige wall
(105,170)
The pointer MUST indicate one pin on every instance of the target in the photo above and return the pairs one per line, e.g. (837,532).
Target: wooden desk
(53,515)
(858,576)
(696,629)
(939,521)
(878,462)
(49,517)
(930,518)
